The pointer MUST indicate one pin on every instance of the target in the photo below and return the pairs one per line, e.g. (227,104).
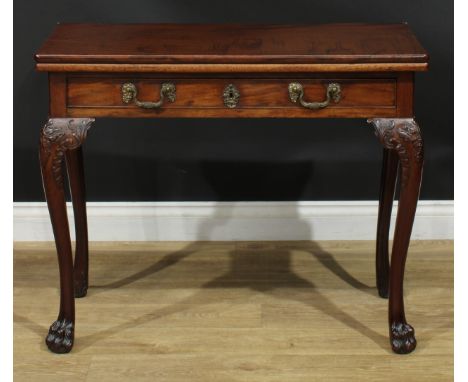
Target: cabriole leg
(404,137)
(58,136)
(74,159)
(387,193)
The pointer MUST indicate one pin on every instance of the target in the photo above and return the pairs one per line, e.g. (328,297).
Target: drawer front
(207,97)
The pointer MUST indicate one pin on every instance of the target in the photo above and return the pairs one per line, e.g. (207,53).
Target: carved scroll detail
(402,135)
(61,134)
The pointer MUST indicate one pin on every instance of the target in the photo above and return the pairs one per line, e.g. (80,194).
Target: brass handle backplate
(130,92)
(296,93)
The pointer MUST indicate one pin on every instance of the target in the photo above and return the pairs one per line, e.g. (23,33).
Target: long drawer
(225,97)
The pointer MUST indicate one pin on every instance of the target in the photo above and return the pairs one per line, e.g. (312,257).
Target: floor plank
(234,311)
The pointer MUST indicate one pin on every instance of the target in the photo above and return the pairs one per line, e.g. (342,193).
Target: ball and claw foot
(402,338)
(60,337)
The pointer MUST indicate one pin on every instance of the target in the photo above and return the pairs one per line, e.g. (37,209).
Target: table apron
(362,95)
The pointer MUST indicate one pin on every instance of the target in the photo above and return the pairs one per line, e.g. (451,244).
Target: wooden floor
(235,311)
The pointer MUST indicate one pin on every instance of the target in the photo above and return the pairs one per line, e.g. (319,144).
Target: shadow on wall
(255,182)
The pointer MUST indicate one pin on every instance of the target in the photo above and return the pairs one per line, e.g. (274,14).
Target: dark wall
(235,159)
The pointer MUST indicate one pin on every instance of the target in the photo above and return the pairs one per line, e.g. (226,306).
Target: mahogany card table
(231,71)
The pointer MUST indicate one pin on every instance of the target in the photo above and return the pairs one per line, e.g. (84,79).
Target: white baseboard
(189,221)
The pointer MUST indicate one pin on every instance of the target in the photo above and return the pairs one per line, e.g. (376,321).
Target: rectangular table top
(232,44)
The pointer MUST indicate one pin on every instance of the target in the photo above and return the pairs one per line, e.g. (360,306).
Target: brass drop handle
(130,92)
(296,93)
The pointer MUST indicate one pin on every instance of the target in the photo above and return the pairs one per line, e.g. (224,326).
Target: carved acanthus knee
(403,136)
(58,136)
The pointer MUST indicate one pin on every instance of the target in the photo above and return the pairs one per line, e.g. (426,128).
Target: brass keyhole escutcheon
(231,96)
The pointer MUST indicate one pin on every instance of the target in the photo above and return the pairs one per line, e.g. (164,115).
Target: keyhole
(230,96)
